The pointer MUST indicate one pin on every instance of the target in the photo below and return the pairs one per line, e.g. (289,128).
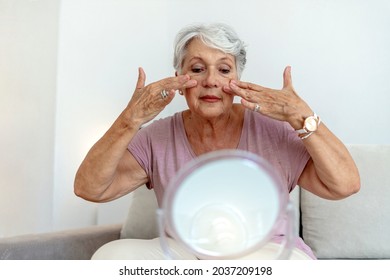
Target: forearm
(100,166)
(332,172)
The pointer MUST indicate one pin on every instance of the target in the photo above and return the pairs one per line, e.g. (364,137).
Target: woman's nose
(211,78)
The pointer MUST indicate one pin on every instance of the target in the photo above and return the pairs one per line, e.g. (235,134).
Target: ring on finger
(164,93)
(257,108)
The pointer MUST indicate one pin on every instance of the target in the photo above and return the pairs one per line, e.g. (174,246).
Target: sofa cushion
(358,226)
(141,221)
(73,244)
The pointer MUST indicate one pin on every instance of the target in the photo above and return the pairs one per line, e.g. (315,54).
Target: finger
(243,92)
(176,83)
(250,105)
(287,80)
(171,95)
(190,84)
(246,85)
(166,99)
(141,78)
(228,90)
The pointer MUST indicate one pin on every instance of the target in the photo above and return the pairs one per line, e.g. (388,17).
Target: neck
(208,128)
(207,135)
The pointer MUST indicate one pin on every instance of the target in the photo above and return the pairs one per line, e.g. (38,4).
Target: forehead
(196,49)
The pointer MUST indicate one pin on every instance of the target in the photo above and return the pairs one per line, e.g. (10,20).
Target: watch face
(311,124)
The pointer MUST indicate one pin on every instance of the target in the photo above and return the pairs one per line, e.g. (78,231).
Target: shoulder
(157,134)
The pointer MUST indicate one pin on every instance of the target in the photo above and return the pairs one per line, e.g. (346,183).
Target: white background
(68,68)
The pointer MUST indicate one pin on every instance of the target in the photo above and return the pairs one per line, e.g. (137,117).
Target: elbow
(78,188)
(349,187)
(78,191)
(355,185)
(352,189)
(81,187)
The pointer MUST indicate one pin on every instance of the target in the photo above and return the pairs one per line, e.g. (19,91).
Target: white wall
(28,52)
(339,51)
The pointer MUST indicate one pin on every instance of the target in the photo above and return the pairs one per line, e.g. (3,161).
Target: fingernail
(233,83)
(184,78)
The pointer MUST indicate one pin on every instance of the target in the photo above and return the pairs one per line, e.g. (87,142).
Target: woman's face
(212,69)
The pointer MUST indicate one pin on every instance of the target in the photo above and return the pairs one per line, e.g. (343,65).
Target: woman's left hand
(321,175)
(283,104)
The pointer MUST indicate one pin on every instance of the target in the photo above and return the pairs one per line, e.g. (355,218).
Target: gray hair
(217,35)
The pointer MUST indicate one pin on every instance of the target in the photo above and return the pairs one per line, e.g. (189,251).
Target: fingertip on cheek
(191,83)
(233,84)
(227,89)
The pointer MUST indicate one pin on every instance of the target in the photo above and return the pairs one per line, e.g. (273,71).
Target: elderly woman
(274,124)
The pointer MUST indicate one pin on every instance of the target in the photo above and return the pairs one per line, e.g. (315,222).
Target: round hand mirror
(224,204)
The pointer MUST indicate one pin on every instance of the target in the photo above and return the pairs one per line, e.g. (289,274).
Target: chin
(212,112)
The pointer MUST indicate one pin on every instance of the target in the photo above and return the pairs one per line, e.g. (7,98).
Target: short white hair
(217,35)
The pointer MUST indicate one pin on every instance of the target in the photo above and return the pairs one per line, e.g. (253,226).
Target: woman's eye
(196,69)
(225,70)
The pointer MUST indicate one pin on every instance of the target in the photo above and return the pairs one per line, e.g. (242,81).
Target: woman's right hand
(108,171)
(148,101)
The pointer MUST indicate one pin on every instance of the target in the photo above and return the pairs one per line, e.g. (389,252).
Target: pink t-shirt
(162,148)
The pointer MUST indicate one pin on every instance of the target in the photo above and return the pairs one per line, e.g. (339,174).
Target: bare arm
(109,170)
(331,172)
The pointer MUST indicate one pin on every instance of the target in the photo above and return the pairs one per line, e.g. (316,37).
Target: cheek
(196,77)
(190,94)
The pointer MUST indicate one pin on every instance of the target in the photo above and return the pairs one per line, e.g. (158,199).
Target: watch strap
(302,131)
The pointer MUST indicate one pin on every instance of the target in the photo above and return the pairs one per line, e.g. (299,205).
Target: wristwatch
(310,125)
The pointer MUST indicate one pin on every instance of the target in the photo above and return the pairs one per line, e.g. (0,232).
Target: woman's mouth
(210,98)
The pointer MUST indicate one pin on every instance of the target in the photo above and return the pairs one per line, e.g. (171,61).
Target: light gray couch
(354,228)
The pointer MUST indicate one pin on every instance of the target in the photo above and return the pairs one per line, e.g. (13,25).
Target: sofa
(354,228)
